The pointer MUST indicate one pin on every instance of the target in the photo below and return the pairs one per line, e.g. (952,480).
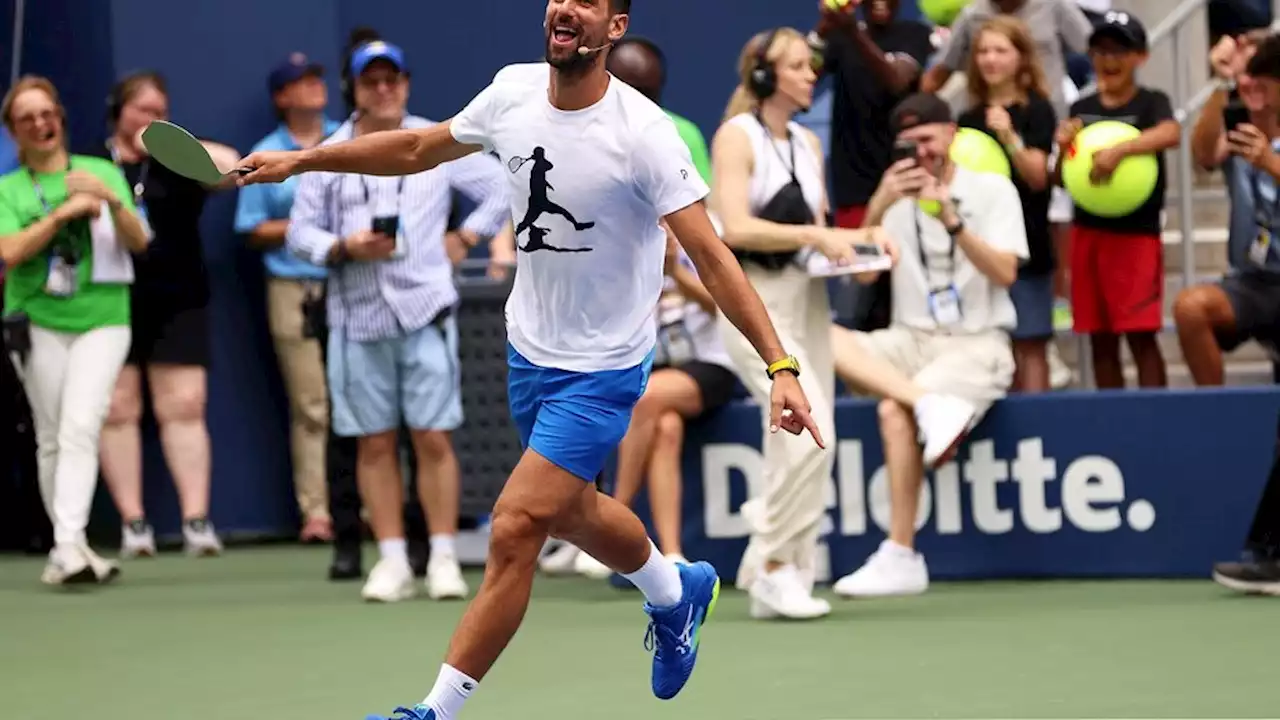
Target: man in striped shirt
(393,339)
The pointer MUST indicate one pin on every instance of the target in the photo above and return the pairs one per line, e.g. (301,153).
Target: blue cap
(376,50)
(296,67)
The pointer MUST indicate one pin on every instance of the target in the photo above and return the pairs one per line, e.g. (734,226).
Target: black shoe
(346,563)
(1254,577)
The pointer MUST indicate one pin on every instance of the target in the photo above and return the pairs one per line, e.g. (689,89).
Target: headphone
(116,99)
(763,79)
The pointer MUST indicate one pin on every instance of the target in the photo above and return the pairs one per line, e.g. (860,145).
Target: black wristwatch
(956,229)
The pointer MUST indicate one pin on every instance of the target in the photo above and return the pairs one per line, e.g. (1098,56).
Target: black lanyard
(144,169)
(924,257)
(364,185)
(63,247)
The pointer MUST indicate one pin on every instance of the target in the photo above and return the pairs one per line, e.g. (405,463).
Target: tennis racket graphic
(515,162)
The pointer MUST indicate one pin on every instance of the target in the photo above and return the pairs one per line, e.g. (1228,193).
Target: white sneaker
(200,539)
(588,566)
(391,580)
(137,540)
(892,570)
(781,593)
(444,578)
(68,565)
(943,421)
(559,561)
(103,570)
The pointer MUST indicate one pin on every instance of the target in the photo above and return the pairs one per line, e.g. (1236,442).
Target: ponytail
(742,101)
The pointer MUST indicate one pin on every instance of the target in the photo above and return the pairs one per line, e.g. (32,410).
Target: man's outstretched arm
(391,152)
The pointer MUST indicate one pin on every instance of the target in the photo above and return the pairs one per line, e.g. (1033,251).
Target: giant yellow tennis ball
(942,12)
(1128,188)
(977,151)
(837,5)
(932,208)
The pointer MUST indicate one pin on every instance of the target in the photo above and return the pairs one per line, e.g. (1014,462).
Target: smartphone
(902,150)
(388,226)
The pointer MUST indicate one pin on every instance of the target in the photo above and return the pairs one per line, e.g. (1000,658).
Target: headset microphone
(589,51)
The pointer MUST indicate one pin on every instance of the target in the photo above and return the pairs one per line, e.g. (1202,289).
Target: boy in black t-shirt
(1117,264)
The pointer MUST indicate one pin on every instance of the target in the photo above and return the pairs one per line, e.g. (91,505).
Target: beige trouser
(796,471)
(976,368)
(302,367)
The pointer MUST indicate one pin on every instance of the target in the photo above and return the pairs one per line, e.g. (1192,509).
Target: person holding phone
(962,238)
(67,224)
(392,353)
(1242,137)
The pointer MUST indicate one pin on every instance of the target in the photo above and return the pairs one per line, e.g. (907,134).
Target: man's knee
(1202,306)
(515,534)
(896,421)
(378,447)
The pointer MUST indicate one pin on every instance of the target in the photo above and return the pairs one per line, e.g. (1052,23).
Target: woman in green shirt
(67,224)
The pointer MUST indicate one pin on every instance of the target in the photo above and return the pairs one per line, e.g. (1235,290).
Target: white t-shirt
(990,208)
(588,189)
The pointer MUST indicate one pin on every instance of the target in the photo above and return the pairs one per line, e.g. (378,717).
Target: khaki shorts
(976,368)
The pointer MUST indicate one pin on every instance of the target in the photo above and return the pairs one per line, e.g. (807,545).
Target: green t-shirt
(91,305)
(692,137)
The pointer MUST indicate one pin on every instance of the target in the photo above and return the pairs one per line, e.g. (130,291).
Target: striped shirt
(389,298)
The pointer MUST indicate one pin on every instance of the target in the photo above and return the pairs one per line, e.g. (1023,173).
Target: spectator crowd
(106,291)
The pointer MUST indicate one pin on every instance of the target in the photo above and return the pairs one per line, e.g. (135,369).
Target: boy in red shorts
(1117,264)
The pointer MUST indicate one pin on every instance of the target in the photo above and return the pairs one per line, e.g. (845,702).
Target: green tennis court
(259,634)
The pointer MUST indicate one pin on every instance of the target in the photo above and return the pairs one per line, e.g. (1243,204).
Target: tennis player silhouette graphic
(540,204)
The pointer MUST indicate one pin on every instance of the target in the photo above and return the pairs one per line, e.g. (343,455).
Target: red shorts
(1117,281)
(851,217)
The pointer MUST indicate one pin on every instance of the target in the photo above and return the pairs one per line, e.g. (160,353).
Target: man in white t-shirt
(961,238)
(594,167)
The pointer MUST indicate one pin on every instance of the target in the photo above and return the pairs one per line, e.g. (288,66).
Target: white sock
(451,690)
(658,579)
(443,546)
(394,548)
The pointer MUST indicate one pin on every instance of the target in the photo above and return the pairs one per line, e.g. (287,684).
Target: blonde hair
(1029,79)
(25,83)
(743,99)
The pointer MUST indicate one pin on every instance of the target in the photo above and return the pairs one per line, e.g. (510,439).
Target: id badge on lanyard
(1264,222)
(61,277)
(675,343)
(944,299)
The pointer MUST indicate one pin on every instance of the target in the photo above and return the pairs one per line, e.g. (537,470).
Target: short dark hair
(1266,59)
(620,7)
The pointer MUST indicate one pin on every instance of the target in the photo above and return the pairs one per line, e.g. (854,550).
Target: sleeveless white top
(772,167)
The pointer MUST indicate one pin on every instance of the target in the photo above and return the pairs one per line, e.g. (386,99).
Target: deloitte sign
(983,494)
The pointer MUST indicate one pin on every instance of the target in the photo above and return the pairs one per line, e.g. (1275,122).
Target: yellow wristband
(787,363)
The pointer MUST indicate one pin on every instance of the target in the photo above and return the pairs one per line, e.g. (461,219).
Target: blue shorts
(375,385)
(1032,297)
(573,419)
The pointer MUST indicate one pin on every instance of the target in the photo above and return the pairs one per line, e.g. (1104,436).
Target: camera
(904,149)
(389,225)
(1235,115)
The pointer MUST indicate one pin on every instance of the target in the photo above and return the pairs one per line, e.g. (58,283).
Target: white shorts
(976,368)
(1061,207)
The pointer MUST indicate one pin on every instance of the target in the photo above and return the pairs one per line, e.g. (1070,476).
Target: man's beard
(575,64)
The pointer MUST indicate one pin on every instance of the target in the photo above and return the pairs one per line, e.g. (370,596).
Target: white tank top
(772,167)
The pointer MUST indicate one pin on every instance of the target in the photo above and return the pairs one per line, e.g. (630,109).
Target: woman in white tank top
(769,193)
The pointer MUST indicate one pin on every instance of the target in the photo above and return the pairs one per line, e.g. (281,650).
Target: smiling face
(997,58)
(36,121)
(933,142)
(143,103)
(1115,64)
(382,91)
(572,25)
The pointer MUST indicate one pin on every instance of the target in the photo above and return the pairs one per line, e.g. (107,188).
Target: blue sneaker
(417,712)
(674,631)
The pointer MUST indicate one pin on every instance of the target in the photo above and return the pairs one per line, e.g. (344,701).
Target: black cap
(919,109)
(1121,27)
(293,69)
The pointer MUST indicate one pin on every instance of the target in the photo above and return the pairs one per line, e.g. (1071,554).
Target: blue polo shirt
(1247,186)
(8,153)
(260,203)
